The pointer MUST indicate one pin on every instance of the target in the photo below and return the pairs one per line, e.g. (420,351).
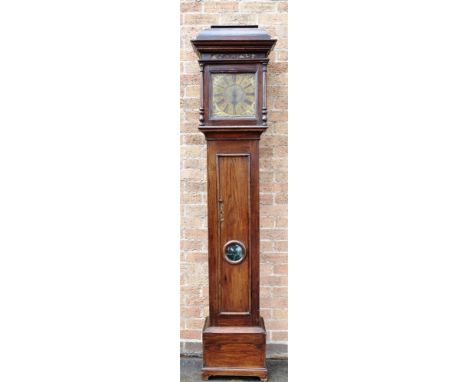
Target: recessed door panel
(233,227)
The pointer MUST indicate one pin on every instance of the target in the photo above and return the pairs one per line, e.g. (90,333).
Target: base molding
(234,351)
(261,373)
(274,350)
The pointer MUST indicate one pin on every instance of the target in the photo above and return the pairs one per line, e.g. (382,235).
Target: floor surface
(190,371)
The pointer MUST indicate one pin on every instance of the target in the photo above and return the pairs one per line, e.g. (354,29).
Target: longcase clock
(233,115)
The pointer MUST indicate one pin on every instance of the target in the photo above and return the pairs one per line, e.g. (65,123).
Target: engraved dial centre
(233,95)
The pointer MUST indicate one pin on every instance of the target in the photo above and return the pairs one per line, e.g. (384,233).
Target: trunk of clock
(234,334)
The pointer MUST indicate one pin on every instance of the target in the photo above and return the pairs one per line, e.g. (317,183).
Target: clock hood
(233,32)
(233,38)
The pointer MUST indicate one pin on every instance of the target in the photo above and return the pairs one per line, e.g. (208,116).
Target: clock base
(234,372)
(234,351)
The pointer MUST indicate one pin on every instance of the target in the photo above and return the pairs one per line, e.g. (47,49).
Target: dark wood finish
(234,351)
(233,169)
(234,203)
(234,336)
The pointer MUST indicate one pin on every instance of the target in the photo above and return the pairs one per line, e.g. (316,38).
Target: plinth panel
(230,350)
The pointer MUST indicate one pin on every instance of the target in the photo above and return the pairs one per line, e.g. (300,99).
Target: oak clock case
(233,115)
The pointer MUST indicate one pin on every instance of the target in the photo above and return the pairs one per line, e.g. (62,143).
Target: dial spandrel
(233,95)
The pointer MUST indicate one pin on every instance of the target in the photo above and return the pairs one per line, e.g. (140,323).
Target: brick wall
(270,15)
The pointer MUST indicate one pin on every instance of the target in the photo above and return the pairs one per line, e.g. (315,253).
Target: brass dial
(233,95)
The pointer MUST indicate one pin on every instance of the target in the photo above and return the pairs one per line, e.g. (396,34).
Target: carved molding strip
(238,56)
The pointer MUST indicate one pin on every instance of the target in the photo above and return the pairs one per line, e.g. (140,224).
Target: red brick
(191,173)
(239,18)
(189,104)
(273,18)
(266,313)
(190,198)
(281,199)
(190,7)
(276,258)
(193,139)
(266,270)
(190,311)
(280,164)
(277,325)
(281,33)
(192,117)
(281,246)
(197,256)
(276,140)
(266,199)
(280,187)
(191,67)
(278,115)
(192,92)
(279,336)
(195,186)
(266,163)
(267,222)
(219,7)
(195,233)
(281,151)
(189,32)
(266,177)
(192,163)
(191,151)
(191,221)
(273,211)
(190,334)
(282,43)
(277,78)
(265,292)
(190,79)
(197,323)
(280,291)
(190,245)
(195,210)
(281,222)
(195,300)
(280,269)
(282,55)
(280,313)
(280,128)
(254,6)
(275,281)
(277,91)
(200,19)
(276,302)
(266,246)
(281,176)
(281,103)
(188,55)
(283,6)
(278,67)
(275,234)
